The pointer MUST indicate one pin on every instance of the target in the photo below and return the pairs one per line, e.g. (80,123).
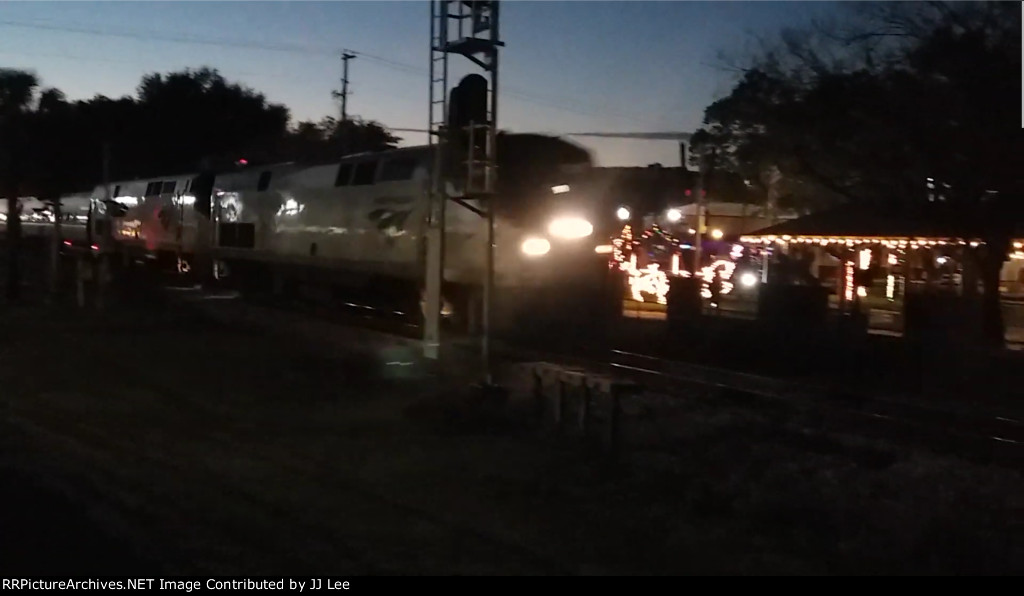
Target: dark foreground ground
(159,441)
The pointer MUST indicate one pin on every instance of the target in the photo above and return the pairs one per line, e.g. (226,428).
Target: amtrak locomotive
(359,223)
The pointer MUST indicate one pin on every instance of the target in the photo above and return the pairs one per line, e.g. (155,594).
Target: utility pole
(345,57)
(705,166)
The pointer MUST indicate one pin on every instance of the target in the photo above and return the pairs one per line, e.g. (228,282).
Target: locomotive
(358,224)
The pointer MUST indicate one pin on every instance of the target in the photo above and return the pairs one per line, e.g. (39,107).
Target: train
(37,218)
(358,224)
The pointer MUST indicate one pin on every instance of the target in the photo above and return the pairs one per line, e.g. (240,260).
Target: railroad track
(957,430)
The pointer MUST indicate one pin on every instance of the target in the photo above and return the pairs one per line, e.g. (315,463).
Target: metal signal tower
(463,137)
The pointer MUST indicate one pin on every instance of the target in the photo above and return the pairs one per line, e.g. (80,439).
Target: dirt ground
(155,439)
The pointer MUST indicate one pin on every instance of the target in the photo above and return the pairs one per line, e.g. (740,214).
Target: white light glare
(604,249)
(748,280)
(561,188)
(717,234)
(535,247)
(570,228)
(674,215)
(623,213)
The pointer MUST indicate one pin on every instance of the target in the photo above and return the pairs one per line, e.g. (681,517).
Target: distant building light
(717,234)
(561,188)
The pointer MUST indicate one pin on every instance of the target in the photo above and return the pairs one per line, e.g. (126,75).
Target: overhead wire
(519,94)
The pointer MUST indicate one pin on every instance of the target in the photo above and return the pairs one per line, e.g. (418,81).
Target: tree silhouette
(17,99)
(866,111)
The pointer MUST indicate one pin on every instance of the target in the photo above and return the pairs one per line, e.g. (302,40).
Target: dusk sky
(566,66)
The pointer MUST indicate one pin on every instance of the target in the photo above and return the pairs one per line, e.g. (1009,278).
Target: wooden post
(560,404)
(538,395)
(615,412)
(80,273)
(584,415)
(55,248)
(99,279)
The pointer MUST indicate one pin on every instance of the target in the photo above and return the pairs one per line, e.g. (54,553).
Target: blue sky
(566,66)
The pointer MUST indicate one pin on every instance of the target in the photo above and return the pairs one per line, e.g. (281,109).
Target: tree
(867,110)
(17,96)
(193,115)
(330,139)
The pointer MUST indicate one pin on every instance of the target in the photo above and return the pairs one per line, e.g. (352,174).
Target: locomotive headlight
(674,215)
(623,213)
(570,228)
(535,247)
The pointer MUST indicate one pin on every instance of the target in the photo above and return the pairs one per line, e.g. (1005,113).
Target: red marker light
(687,192)
(67,243)
(95,247)
(243,162)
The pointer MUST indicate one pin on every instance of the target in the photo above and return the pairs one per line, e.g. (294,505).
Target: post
(698,253)
(538,394)
(435,264)
(705,166)
(55,248)
(80,274)
(345,57)
(488,293)
(614,415)
(560,404)
(99,279)
(584,419)
(100,240)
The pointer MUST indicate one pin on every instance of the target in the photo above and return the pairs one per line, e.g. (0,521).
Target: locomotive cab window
(117,191)
(153,189)
(168,187)
(344,174)
(364,174)
(264,181)
(400,168)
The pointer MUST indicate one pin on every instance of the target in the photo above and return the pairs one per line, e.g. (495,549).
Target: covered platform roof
(876,223)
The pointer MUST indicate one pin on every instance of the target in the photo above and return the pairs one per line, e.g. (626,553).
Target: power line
(300,49)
